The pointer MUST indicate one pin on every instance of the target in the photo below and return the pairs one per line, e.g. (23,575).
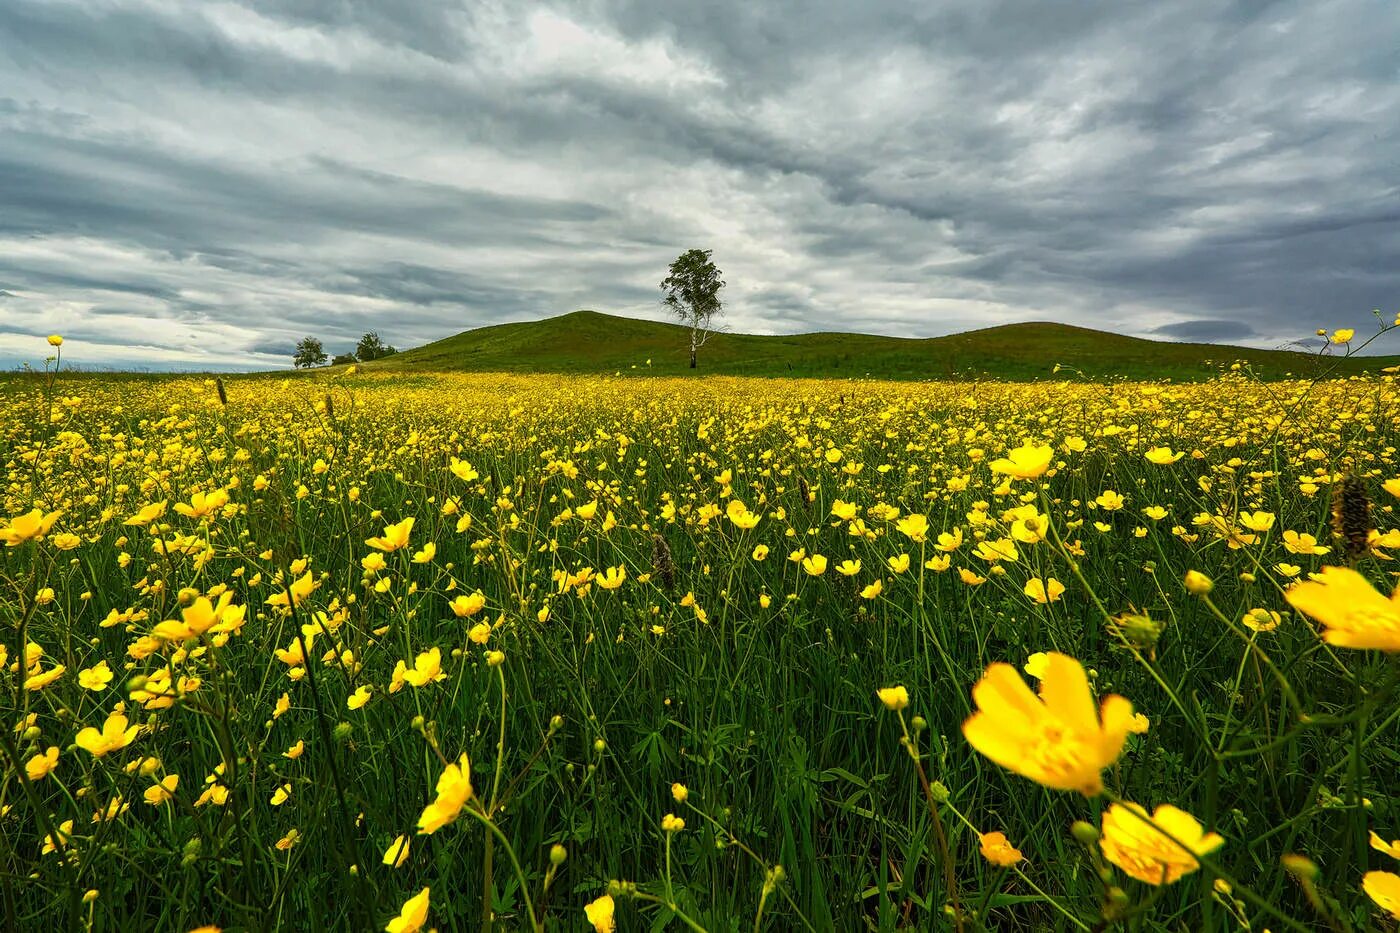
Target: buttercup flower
(1352,613)
(1059,738)
(1025,462)
(1156,852)
(998,851)
(454,789)
(600,913)
(412,916)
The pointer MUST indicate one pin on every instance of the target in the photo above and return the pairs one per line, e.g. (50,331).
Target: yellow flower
(1025,462)
(465,605)
(971,578)
(612,578)
(845,511)
(39,679)
(1391,849)
(427,668)
(1303,543)
(873,590)
(1383,887)
(914,527)
(1197,583)
(1044,591)
(96,677)
(1352,613)
(848,568)
(998,851)
(357,699)
(202,505)
(55,340)
(1258,521)
(29,527)
(679,793)
(162,792)
(397,853)
(395,536)
(412,916)
(426,555)
(814,565)
(66,541)
(899,563)
(40,765)
(671,823)
(1162,456)
(454,789)
(115,735)
(299,590)
(1343,335)
(64,834)
(740,515)
(1156,852)
(1109,501)
(760,552)
(600,914)
(281,795)
(1058,739)
(1037,664)
(1261,620)
(894,698)
(949,542)
(295,751)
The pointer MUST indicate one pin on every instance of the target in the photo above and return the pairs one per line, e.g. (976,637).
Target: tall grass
(750,682)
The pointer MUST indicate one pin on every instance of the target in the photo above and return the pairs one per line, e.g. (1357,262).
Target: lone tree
(371,347)
(692,294)
(309,353)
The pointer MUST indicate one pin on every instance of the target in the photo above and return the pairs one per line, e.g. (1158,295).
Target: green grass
(764,706)
(590,342)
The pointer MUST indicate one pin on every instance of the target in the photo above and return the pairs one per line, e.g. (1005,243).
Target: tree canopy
(691,291)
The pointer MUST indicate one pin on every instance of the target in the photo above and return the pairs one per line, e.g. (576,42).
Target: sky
(201,184)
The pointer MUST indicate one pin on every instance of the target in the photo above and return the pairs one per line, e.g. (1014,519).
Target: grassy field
(390,650)
(589,342)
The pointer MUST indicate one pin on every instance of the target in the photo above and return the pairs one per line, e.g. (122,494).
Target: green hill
(590,342)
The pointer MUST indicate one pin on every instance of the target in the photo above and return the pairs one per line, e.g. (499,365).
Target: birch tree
(692,294)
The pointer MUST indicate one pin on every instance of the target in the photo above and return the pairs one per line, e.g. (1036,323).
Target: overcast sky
(202,183)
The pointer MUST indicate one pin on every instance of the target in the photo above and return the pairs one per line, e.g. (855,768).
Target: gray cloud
(204,184)
(1205,330)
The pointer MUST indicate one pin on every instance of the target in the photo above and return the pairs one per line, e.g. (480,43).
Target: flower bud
(557,854)
(1197,583)
(1300,867)
(1084,833)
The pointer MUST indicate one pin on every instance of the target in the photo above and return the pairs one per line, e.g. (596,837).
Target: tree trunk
(692,357)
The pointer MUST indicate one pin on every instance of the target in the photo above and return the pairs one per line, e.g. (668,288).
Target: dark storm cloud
(209,182)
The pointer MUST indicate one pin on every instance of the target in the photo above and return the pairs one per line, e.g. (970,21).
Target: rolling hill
(591,342)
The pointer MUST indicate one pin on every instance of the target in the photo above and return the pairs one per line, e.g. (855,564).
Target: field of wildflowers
(525,652)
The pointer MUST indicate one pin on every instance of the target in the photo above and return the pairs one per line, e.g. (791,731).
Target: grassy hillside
(590,342)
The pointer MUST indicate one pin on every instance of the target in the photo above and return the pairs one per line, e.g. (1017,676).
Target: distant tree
(309,353)
(692,293)
(371,347)
(343,359)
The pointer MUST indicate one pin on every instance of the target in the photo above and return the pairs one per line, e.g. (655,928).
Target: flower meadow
(467,652)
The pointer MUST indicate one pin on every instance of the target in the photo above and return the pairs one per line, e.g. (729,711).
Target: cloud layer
(203,184)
